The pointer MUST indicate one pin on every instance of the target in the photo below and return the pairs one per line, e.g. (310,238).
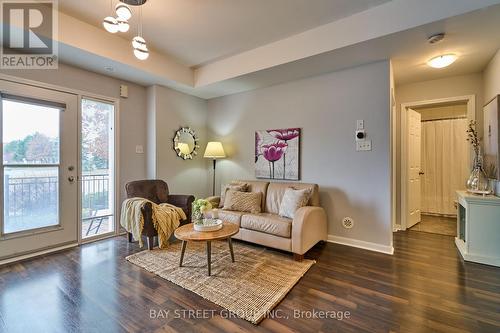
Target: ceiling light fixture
(442,61)
(123,25)
(123,11)
(134,2)
(141,51)
(120,24)
(110,23)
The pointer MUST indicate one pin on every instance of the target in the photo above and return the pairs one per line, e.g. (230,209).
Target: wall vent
(347,222)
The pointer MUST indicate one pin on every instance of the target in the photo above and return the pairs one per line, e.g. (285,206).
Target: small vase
(196,215)
(478,181)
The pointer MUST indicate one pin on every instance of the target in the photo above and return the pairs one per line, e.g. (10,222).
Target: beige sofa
(269,229)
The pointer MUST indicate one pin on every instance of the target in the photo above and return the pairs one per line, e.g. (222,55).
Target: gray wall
(171,110)
(132,111)
(326,107)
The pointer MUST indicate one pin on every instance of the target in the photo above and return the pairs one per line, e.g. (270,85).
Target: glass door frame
(28,243)
(60,171)
(116,158)
(79,94)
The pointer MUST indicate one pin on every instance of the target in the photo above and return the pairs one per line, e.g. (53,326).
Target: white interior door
(39,191)
(414,167)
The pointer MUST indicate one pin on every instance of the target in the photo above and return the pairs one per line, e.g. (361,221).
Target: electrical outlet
(365,145)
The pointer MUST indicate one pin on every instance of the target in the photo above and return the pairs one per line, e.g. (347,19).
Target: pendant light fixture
(123,11)
(110,23)
(123,25)
(120,24)
(141,51)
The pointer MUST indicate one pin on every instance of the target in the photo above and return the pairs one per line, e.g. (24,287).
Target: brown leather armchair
(157,192)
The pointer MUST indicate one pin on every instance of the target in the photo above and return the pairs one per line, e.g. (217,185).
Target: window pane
(30,133)
(31,198)
(97,168)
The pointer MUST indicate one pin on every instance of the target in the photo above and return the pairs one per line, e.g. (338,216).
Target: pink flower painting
(277,153)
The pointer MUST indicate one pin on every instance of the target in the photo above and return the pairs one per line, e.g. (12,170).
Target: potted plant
(200,206)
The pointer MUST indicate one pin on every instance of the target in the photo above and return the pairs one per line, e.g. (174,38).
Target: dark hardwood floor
(424,287)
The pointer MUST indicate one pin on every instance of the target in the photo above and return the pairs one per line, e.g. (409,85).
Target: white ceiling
(196,32)
(474,37)
(395,30)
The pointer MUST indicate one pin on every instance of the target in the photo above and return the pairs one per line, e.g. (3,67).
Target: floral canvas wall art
(277,154)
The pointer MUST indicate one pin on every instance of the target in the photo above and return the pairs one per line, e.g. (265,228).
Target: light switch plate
(139,149)
(360,124)
(365,145)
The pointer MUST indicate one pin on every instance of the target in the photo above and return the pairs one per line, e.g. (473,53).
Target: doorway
(436,160)
(58,173)
(39,169)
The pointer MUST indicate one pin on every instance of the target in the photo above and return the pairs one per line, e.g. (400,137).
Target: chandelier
(119,23)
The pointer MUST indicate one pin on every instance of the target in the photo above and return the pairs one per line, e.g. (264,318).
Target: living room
(313,103)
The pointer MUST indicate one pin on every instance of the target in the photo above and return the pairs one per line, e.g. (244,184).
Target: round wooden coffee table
(186,233)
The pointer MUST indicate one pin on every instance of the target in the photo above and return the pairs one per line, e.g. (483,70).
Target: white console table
(478,228)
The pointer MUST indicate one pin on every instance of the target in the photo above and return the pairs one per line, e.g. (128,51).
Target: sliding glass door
(38,173)
(98,168)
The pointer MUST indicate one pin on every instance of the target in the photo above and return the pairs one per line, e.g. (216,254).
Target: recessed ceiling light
(442,61)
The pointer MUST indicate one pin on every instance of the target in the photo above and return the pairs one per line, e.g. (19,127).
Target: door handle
(71,179)
(421,173)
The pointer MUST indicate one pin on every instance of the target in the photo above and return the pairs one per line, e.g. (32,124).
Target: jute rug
(250,287)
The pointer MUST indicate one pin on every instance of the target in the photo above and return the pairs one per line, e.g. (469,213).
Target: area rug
(249,288)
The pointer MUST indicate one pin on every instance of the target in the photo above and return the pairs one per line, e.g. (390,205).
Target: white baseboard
(36,254)
(361,244)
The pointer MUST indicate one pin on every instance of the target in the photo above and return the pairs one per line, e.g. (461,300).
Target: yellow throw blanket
(166,219)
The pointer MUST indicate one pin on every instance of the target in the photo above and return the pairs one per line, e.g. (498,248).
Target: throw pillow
(241,187)
(292,200)
(243,201)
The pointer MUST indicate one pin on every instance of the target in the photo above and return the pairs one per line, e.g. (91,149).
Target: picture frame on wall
(277,154)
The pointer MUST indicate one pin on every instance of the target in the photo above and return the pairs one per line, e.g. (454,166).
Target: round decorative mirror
(186,143)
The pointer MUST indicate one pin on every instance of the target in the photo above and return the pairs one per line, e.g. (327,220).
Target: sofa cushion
(276,191)
(257,186)
(231,216)
(268,223)
(249,202)
(293,200)
(242,187)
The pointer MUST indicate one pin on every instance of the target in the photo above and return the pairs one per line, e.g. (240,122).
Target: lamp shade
(214,150)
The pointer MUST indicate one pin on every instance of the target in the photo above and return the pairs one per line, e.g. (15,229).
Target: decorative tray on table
(207,225)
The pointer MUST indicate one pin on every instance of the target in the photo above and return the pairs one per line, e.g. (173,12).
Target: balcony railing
(28,201)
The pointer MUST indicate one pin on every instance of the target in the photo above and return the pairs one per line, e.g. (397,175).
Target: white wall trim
(361,244)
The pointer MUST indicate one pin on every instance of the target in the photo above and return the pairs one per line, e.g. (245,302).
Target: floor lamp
(214,151)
